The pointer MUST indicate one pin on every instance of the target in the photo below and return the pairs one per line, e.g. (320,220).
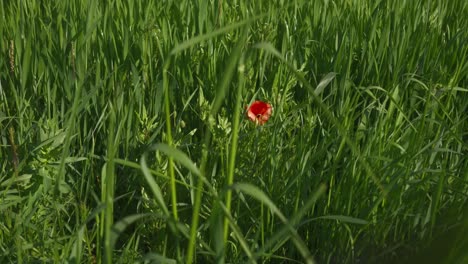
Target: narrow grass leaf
(341,218)
(280,237)
(158,258)
(153,185)
(324,82)
(122,224)
(236,121)
(262,197)
(189,43)
(237,233)
(19,179)
(178,155)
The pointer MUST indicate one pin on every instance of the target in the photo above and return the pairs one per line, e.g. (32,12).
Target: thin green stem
(233,149)
(169,139)
(197,202)
(110,188)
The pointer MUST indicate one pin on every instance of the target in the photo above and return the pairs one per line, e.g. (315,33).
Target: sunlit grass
(124,137)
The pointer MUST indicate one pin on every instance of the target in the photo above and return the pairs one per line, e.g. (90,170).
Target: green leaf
(261,196)
(157,258)
(324,82)
(153,185)
(341,218)
(122,224)
(177,155)
(22,178)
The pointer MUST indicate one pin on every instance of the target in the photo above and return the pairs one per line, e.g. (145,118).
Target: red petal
(259,112)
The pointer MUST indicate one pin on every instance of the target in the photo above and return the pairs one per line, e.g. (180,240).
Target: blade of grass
(167,109)
(259,195)
(293,221)
(235,126)
(153,185)
(109,183)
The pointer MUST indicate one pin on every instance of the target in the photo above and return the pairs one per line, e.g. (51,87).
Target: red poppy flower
(259,112)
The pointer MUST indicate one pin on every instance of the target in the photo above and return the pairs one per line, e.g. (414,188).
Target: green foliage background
(123,136)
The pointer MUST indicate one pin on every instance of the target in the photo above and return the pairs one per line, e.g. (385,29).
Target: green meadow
(124,135)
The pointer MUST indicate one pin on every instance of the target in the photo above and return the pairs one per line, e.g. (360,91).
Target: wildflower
(259,112)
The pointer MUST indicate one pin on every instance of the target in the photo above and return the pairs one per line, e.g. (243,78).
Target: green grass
(124,137)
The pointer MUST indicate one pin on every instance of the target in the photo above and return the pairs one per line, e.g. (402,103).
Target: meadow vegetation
(124,136)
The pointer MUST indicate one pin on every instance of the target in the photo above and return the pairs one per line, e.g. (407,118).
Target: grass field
(124,136)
